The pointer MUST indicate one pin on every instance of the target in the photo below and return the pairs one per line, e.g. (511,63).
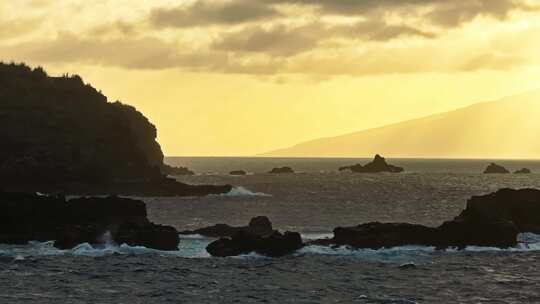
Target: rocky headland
(60,135)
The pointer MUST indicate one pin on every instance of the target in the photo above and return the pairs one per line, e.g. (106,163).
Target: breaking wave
(241,191)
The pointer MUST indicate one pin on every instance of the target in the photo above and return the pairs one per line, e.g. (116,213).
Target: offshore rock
(238,172)
(493,168)
(523,171)
(282,170)
(378,165)
(260,225)
(274,245)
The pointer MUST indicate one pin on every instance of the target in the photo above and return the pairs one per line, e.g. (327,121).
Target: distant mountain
(507,128)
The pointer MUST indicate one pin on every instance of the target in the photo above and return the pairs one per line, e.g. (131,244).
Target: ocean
(313,202)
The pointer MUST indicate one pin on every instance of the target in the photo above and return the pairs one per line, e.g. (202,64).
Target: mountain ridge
(508,116)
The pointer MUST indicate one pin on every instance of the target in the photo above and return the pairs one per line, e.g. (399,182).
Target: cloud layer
(357,37)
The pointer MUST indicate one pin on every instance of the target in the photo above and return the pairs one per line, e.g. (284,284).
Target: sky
(242,77)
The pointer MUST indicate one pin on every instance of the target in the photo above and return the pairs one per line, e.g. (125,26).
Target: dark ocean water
(313,202)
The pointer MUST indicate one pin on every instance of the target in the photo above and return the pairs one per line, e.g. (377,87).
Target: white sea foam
(241,191)
(195,247)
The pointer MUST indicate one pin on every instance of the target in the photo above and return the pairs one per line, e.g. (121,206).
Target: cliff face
(58,129)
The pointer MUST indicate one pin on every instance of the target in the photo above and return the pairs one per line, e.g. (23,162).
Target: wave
(195,247)
(241,191)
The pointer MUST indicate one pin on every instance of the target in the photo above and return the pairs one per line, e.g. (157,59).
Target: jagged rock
(30,217)
(523,171)
(282,170)
(522,207)
(378,165)
(457,233)
(493,168)
(178,171)
(257,237)
(59,134)
(260,225)
(276,244)
(492,220)
(378,235)
(238,172)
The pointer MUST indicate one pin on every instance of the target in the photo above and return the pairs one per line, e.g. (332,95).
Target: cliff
(58,133)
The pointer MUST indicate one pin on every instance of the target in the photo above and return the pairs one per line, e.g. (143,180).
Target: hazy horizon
(241,78)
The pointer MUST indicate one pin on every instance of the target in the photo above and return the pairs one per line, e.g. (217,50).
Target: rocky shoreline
(95,220)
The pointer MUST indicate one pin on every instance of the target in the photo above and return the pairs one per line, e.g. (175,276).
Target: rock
(274,245)
(30,217)
(257,237)
(378,165)
(495,169)
(457,233)
(59,134)
(282,170)
(523,171)
(238,172)
(522,207)
(462,232)
(175,171)
(260,225)
(377,235)
(410,265)
(492,220)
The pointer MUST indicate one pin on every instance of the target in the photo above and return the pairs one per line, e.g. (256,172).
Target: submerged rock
(257,237)
(282,170)
(523,171)
(30,217)
(260,225)
(493,168)
(378,165)
(238,172)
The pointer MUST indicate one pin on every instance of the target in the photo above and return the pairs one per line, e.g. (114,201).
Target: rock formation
(521,207)
(59,134)
(257,237)
(493,168)
(260,225)
(490,220)
(378,165)
(523,171)
(282,170)
(178,171)
(31,217)
(238,172)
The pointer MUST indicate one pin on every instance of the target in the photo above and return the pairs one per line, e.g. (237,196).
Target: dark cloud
(206,12)
(441,12)
(277,41)
(289,41)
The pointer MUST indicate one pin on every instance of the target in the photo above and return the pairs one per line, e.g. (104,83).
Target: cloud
(206,12)
(289,41)
(445,13)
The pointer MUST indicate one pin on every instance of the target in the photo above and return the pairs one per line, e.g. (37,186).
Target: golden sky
(241,77)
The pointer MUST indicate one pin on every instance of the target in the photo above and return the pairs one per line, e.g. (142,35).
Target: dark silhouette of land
(378,165)
(59,134)
(28,217)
